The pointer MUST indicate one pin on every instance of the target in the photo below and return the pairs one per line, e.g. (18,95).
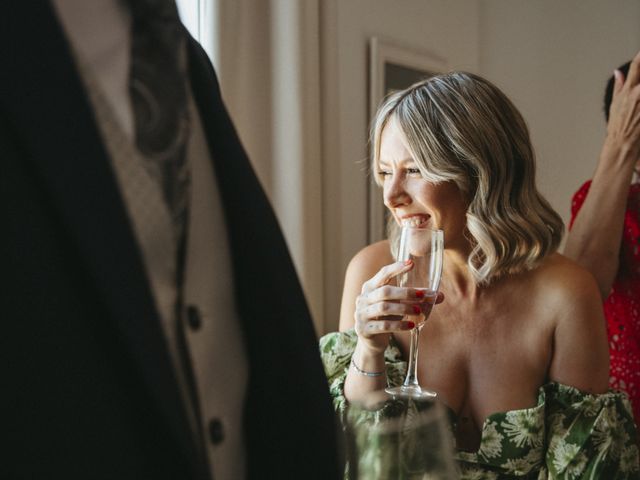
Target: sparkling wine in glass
(425,247)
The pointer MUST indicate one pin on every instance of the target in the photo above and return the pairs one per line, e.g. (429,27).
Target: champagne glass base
(410,391)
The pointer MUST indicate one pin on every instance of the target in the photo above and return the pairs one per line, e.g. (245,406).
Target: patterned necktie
(159,97)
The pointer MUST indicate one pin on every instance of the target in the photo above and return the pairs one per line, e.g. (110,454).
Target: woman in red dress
(605,229)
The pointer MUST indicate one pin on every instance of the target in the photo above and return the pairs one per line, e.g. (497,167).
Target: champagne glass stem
(411,379)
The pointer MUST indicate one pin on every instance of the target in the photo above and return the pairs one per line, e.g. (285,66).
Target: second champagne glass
(425,248)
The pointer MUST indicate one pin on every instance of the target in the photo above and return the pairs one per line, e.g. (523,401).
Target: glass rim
(438,230)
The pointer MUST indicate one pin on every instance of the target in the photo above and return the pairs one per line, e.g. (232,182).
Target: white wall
(553,58)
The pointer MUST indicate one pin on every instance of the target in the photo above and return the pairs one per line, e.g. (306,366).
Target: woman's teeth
(413,221)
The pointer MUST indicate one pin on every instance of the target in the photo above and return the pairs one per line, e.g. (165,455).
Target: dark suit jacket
(87,388)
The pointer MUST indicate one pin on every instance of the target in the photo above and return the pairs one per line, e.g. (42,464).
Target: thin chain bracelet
(365,373)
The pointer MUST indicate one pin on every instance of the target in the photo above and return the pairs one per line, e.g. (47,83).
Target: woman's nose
(395,193)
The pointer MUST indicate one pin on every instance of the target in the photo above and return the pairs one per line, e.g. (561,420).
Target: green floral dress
(569,434)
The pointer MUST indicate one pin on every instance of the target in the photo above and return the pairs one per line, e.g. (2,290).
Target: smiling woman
(439,205)
(517,350)
(462,129)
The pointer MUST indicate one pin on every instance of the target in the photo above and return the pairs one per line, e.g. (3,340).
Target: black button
(216,431)
(193,317)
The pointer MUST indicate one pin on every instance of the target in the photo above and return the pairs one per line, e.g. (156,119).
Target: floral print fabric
(569,434)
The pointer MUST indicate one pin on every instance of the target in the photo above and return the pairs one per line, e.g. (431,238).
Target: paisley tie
(159,97)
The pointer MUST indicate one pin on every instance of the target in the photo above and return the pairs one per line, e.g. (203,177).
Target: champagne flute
(424,247)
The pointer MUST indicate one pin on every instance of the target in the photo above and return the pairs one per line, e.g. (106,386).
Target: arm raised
(594,241)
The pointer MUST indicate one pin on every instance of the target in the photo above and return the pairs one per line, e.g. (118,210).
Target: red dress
(622,306)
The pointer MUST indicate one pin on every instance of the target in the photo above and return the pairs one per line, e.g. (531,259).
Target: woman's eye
(413,171)
(384,173)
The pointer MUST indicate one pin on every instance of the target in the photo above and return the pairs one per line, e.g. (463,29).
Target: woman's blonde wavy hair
(461,128)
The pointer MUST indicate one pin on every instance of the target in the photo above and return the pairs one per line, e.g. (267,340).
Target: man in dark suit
(103,377)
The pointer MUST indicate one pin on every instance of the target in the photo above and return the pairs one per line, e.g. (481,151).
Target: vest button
(216,431)
(194,319)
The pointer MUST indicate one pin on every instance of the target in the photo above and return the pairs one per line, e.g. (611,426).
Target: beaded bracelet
(365,373)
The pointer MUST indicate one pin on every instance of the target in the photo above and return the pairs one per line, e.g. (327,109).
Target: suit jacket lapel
(44,99)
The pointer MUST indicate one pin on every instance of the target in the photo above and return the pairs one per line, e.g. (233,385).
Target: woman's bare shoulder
(558,289)
(565,279)
(580,352)
(372,257)
(568,293)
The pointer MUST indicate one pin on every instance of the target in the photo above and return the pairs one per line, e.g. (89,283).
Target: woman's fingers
(383,308)
(386,274)
(394,309)
(391,292)
(623,129)
(618,82)
(633,77)
(376,327)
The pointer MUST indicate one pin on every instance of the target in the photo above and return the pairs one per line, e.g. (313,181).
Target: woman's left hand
(623,129)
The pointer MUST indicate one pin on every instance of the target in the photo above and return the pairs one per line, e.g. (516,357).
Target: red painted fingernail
(416,309)
(408,262)
(411,325)
(419,293)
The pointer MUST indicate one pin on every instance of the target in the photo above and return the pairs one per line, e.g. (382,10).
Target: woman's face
(412,199)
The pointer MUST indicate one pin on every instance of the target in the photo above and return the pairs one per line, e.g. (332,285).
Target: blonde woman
(518,348)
